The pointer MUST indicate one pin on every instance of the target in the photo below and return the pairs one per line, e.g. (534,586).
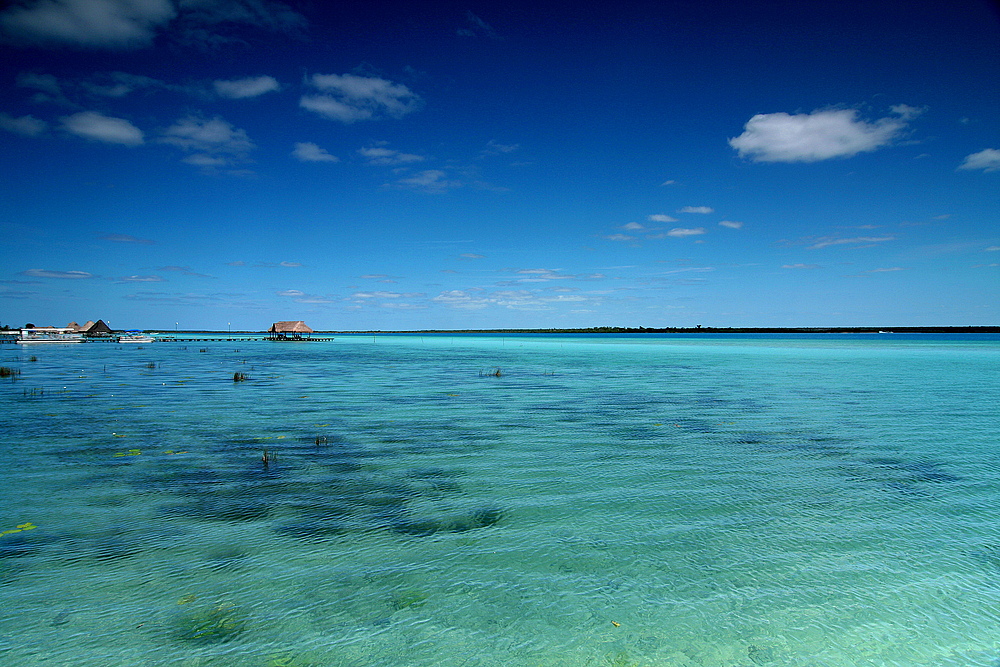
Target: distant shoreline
(636,330)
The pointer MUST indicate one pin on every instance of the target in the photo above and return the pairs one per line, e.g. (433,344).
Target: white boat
(49,335)
(135,337)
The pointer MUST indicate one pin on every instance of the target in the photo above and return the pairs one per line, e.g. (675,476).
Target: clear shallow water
(719,502)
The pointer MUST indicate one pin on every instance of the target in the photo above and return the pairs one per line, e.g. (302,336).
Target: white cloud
(378,155)
(619,237)
(98,127)
(987,160)
(462,299)
(205,161)
(47,273)
(680,232)
(857,240)
(732,224)
(471,255)
(632,226)
(29,126)
(385,295)
(249,87)
(45,83)
(349,98)
(820,135)
(494,148)
(112,24)
(261,13)
(215,135)
(431,180)
(661,217)
(906,112)
(310,152)
(133,24)
(800,266)
(214,143)
(290,292)
(992,248)
(696,209)
(140,279)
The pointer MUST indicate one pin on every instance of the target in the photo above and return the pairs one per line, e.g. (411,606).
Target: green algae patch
(211,623)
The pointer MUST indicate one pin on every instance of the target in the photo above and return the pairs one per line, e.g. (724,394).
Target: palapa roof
(98,327)
(298,326)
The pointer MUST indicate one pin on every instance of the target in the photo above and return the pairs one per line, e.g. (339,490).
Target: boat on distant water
(49,335)
(135,337)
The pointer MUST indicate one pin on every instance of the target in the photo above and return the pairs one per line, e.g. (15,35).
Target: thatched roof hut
(288,330)
(99,328)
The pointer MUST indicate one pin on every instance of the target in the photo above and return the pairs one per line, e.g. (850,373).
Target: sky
(225,164)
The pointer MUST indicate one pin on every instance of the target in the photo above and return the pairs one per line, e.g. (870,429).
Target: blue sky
(206,164)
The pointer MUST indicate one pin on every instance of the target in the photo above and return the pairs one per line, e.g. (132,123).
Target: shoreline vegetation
(632,330)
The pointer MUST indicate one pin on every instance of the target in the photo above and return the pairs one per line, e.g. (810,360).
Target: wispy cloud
(619,237)
(348,98)
(431,180)
(382,156)
(732,224)
(379,294)
(49,273)
(861,241)
(309,152)
(987,160)
(298,296)
(111,24)
(140,279)
(98,127)
(185,270)
(213,143)
(697,209)
(662,217)
(681,232)
(476,26)
(495,148)
(29,126)
(125,238)
(800,266)
(237,89)
(820,135)
(134,24)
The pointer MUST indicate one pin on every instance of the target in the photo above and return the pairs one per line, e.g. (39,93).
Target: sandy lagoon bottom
(613,502)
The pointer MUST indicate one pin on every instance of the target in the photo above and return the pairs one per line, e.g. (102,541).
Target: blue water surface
(459,500)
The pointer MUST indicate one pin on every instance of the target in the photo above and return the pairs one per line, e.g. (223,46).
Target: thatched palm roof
(298,326)
(99,327)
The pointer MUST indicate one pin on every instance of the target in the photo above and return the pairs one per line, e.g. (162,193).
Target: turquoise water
(720,501)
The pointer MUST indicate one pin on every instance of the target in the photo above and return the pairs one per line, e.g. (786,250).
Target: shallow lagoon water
(722,501)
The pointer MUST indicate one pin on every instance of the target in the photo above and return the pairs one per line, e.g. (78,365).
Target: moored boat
(135,337)
(49,335)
